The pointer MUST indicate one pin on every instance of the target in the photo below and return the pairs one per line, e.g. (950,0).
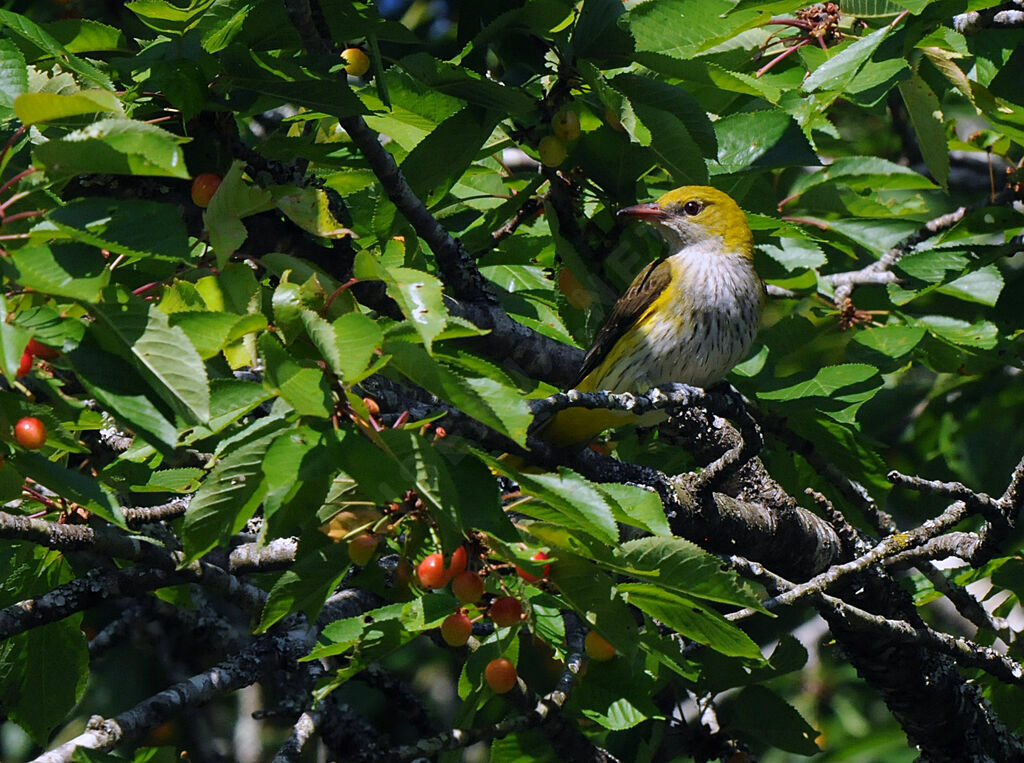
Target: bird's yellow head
(696,214)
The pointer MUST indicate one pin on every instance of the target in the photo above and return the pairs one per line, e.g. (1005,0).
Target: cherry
(468,587)
(357,63)
(506,611)
(597,648)
(41,350)
(25,365)
(551,150)
(500,675)
(30,433)
(458,565)
(362,547)
(431,572)
(566,125)
(203,188)
(456,629)
(529,577)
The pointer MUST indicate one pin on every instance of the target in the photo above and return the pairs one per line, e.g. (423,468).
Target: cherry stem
(16,197)
(781,56)
(338,291)
(14,139)
(145,287)
(23,215)
(39,497)
(20,176)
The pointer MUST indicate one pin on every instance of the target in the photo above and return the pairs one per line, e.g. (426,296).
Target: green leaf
(86,35)
(683,28)
(211,332)
(590,591)
(418,294)
(677,102)
(13,76)
(440,159)
(234,199)
(567,498)
(762,139)
(839,70)
(184,480)
(694,621)
(982,334)
(825,383)
(306,586)
(304,388)
(72,485)
(891,341)
(232,492)
(113,224)
(672,143)
(52,674)
(926,117)
(287,82)
(636,506)
(121,391)
(357,339)
(983,286)
(466,84)
(309,208)
(168,18)
(36,35)
(162,353)
(677,564)
(762,713)
(33,108)
(795,253)
(114,146)
(63,270)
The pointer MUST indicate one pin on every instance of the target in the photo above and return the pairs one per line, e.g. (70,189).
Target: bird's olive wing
(641,294)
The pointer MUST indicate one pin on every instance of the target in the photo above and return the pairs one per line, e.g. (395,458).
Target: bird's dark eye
(692,208)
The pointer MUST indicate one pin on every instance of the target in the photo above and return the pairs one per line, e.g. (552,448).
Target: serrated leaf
(121,391)
(64,270)
(357,338)
(575,501)
(694,621)
(162,353)
(113,224)
(234,199)
(926,117)
(418,294)
(892,341)
(840,69)
(36,35)
(13,75)
(184,480)
(306,586)
(33,108)
(677,564)
(824,383)
(466,84)
(211,331)
(304,388)
(633,505)
(231,493)
(75,486)
(114,146)
(762,713)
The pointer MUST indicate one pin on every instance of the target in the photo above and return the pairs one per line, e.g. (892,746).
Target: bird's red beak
(642,212)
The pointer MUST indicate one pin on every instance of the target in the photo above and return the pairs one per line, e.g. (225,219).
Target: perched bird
(688,317)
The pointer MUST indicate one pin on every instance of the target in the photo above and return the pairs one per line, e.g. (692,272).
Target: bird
(688,317)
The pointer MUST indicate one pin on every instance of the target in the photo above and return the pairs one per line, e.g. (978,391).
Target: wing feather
(641,294)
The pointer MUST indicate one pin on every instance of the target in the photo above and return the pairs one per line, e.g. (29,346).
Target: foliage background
(208,412)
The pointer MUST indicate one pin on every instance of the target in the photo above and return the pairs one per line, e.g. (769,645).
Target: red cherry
(468,587)
(431,572)
(529,577)
(362,548)
(25,365)
(506,611)
(30,433)
(203,188)
(456,629)
(458,565)
(597,648)
(500,675)
(41,350)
